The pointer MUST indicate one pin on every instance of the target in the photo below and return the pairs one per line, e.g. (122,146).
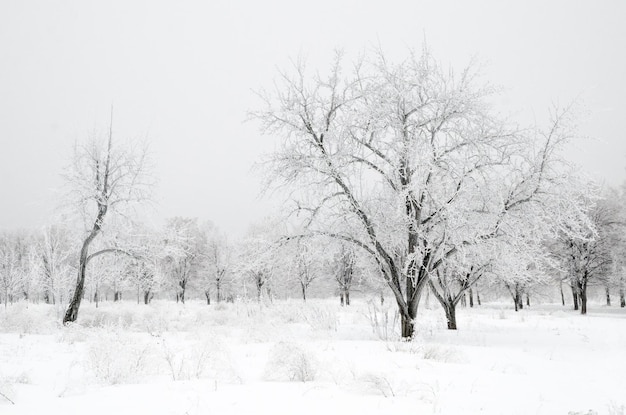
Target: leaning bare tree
(103,178)
(406,161)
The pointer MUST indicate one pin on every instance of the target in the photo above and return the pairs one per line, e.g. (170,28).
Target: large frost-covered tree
(104,176)
(407,161)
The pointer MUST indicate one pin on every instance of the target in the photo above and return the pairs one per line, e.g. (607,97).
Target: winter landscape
(276,209)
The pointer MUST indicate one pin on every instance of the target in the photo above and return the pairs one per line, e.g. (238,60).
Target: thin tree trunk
(208,298)
(347,295)
(72,310)
(562,295)
(218,286)
(583,300)
(478,297)
(575,298)
(608,296)
(471,298)
(622,298)
(341,300)
(527,300)
(303,291)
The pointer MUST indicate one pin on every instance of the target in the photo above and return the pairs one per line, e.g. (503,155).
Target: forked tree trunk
(450,310)
(147,297)
(448,304)
(516,295)
(208,297)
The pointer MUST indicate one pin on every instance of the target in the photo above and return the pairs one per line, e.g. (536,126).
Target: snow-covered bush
(115,357)
(200,358)
(320,317)
(290,362)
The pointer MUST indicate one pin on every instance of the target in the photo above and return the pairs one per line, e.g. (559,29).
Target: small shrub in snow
(115,358)
(6,385)
(379,383)
(440,353)
(616,409)
(185,364)
(289,362)
(384,320)
(320,317)
(202,358)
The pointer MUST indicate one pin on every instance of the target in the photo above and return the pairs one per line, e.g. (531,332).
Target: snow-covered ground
(314,358)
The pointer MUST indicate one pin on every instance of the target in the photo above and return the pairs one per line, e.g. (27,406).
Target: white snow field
(313,358)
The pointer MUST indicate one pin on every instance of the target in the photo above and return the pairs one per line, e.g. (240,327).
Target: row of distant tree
(183,256)
(401,175)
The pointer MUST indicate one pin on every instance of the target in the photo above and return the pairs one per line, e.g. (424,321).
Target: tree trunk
(575,298)
(117,296)
(147,296)
(527,300)
(562,295)
(96,297)
(72,310)
(622,298)
(208,298)
(471,298)
(463,300)
(407,326)
(341,300)
(218,287)
(608,296)
(583,300)
(478,297)
(450,310)
(183,285)
(347,295)
(303,291)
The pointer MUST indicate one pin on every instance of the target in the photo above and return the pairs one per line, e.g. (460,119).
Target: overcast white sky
(182,72)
